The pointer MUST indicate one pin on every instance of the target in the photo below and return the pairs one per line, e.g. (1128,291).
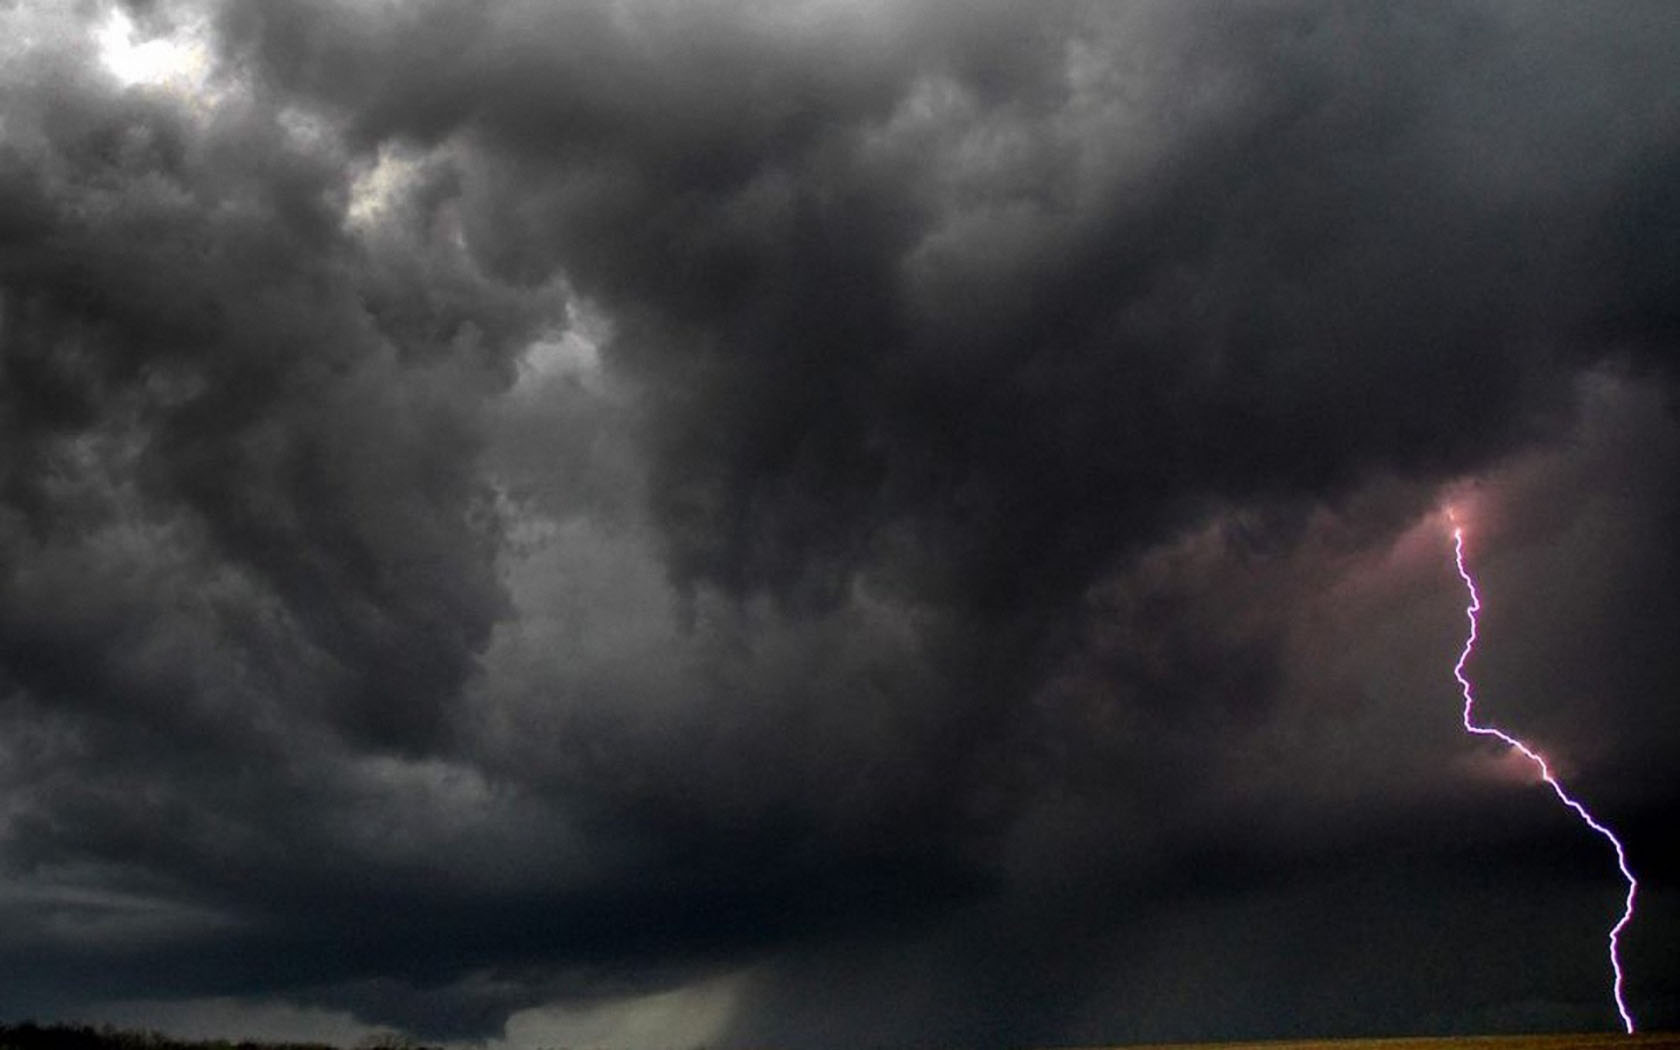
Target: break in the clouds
(825,523)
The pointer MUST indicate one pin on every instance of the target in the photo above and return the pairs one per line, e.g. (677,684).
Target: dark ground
(30,1036)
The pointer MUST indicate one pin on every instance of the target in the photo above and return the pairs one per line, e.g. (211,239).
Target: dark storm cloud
(908,294)
(184,315)
(518,504)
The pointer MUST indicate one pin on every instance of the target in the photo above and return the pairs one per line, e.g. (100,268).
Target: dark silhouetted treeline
(32,1036)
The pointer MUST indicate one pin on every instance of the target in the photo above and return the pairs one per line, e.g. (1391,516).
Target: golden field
(1581,1041)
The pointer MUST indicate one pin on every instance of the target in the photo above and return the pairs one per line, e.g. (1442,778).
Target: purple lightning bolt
(1529,753)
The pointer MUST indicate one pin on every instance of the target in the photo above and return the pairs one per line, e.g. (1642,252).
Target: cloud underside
(829,523)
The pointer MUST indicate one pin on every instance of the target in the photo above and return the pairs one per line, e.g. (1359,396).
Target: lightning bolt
(1533,756)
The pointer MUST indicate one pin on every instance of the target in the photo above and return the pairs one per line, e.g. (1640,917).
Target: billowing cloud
(827,523)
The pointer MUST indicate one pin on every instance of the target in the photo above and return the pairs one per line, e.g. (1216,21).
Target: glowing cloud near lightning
(1529,753)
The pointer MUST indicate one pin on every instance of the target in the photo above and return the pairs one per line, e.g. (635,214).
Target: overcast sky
(829,523)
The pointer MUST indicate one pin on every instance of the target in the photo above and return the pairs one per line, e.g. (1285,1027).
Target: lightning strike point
(1533,756)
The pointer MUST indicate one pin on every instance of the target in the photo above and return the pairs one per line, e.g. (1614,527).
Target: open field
(79,1037)
(1579,1041)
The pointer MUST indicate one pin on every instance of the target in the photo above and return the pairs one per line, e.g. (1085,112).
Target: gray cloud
(894,522)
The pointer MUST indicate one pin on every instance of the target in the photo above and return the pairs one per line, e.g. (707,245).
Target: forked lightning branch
(1470,725)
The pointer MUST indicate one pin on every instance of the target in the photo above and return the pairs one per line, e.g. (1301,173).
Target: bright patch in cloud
(574,352)
(690,1016)
(379,190)
(181,62)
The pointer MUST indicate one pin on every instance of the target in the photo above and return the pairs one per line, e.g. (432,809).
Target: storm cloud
(824,524)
